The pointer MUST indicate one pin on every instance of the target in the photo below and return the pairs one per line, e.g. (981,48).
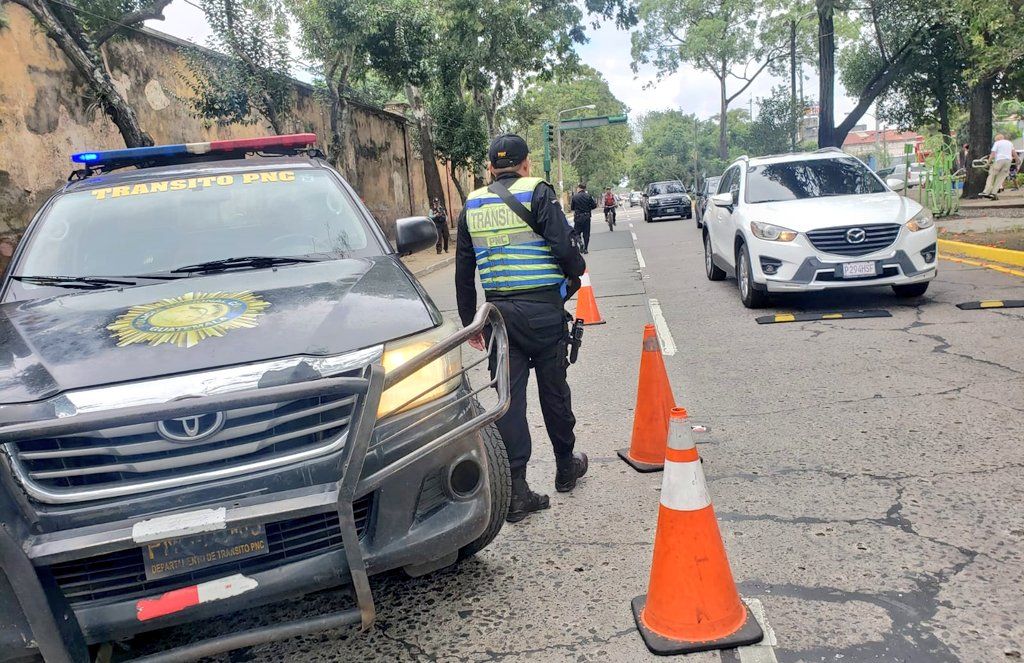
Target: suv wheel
(710,268)
(749,295)
(911,290)
(500,480)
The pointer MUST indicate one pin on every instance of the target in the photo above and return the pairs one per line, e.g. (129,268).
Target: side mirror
(413,234)
(722,199)
(895,183)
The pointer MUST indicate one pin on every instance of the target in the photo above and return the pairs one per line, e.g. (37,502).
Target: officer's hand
(477,342)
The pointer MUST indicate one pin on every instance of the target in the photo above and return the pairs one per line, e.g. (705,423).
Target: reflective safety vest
(509,254)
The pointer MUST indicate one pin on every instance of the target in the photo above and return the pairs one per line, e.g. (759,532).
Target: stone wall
(46,114)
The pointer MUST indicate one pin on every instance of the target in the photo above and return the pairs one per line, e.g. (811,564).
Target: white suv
(801,222)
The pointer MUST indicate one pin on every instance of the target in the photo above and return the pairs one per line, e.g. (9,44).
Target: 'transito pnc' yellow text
(143,188)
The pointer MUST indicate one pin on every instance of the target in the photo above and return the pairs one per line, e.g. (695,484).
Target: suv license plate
(857,270)
(669,209)
(172,557)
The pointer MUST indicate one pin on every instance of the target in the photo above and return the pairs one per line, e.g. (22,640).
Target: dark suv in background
(707,189)
(666,200)
(220,387)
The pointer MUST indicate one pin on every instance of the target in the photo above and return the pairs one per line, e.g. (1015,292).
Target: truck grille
(834,240)
(121,575)
(141,452)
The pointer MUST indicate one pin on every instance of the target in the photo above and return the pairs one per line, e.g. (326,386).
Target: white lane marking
(640,259)
(668,344)
(179,524)
(683,487)
(762,652)
(631,225)
(633,234)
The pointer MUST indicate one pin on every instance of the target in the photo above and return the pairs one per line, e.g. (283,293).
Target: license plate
(172,557)
(669,209)
(857,270)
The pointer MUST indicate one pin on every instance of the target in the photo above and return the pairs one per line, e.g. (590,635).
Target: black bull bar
(51,621)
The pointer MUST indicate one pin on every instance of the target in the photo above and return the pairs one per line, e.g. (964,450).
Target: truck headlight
(921,220)
(439,377)
(772,233)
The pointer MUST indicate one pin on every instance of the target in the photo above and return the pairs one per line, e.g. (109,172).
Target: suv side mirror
(895,183)
(722,199)
(413,234)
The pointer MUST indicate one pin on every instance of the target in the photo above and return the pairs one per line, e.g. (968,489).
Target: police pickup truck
(219,387)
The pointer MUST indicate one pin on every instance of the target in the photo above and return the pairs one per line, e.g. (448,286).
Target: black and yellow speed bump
(811,317)
(991,303)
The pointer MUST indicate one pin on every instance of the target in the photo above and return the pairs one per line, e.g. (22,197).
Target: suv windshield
(661,188)
(796,180)
(159,225)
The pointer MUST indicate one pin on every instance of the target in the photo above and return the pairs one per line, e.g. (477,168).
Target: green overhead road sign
(591,122)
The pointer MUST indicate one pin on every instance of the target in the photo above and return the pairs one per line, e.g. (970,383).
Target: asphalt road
(866,475)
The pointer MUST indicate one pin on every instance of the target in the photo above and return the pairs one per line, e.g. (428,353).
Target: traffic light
(549,130)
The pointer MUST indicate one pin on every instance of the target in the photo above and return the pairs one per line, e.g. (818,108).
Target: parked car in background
(706,191)
(912,174)
(635,198)
(666,200)
(815,221)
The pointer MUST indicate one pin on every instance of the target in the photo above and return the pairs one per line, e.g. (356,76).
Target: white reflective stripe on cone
(683,488)
(680,437)
(585,280)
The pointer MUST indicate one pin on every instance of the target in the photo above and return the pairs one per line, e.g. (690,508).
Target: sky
(608,51)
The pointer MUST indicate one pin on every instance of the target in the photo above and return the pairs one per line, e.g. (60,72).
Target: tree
(460,131)
(593,155)
(666,148)
(731,39)
(248,75)
(772,131)
(80,30)
(889,32)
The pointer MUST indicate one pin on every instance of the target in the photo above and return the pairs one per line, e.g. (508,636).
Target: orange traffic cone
(654,400)
(586,305)
(691,604)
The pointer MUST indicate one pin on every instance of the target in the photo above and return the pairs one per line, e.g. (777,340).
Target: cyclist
(609,207)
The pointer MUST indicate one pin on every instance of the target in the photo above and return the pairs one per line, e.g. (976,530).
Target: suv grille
(834,240)
(121,575)
(137,453)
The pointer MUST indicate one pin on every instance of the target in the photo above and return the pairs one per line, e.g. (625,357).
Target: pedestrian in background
(514,231)
(963,160)
(582,204)
(439,216)
(1002,156)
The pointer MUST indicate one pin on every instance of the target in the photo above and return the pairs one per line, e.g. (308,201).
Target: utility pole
(695,152)
(561,184)
(792,84)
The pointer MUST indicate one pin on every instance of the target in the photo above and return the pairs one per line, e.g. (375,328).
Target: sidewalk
(1008,199)
(428,261)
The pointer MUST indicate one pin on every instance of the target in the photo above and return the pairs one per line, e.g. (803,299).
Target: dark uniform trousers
(581,224)
(538,338)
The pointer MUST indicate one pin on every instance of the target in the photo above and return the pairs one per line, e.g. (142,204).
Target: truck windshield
(661,188)
(151,226)
(795,180)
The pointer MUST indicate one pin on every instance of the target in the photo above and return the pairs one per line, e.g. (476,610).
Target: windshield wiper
(250,262)
(81,282)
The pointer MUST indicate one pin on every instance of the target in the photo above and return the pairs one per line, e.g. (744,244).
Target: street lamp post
(558,128)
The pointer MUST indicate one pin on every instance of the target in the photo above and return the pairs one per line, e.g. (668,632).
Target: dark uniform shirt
(582,204)
(553,226)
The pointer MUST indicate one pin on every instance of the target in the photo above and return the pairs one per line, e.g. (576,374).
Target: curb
(1005,256)
(434,266)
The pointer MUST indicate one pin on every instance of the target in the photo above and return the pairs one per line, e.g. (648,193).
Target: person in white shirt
(1002,156)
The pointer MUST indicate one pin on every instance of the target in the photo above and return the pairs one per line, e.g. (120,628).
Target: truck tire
(500,481)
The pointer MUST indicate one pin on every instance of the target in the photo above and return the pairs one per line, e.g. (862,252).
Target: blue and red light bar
(142,154)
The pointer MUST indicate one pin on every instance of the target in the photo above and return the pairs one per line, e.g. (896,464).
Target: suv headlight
(772,233)
(921,220)
(439,377)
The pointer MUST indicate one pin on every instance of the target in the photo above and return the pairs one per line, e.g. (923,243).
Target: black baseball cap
(508,150)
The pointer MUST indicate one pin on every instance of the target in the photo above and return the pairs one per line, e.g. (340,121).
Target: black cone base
(748,634)
(637,465)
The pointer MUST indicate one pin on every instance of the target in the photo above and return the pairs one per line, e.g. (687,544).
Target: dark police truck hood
(66,342)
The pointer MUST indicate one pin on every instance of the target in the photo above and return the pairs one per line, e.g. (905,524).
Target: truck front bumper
(397,473)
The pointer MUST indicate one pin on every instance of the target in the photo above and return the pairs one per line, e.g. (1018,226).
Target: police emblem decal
(186,320)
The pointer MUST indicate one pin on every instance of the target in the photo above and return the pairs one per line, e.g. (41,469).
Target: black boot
(569,471)
(524,501)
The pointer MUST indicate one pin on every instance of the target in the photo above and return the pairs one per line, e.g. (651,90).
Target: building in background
(885,145)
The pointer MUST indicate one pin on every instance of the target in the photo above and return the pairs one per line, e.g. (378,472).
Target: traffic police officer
(526,260)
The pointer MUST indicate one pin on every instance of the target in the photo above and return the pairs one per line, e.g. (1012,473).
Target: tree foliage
(770,133)
(247,77)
